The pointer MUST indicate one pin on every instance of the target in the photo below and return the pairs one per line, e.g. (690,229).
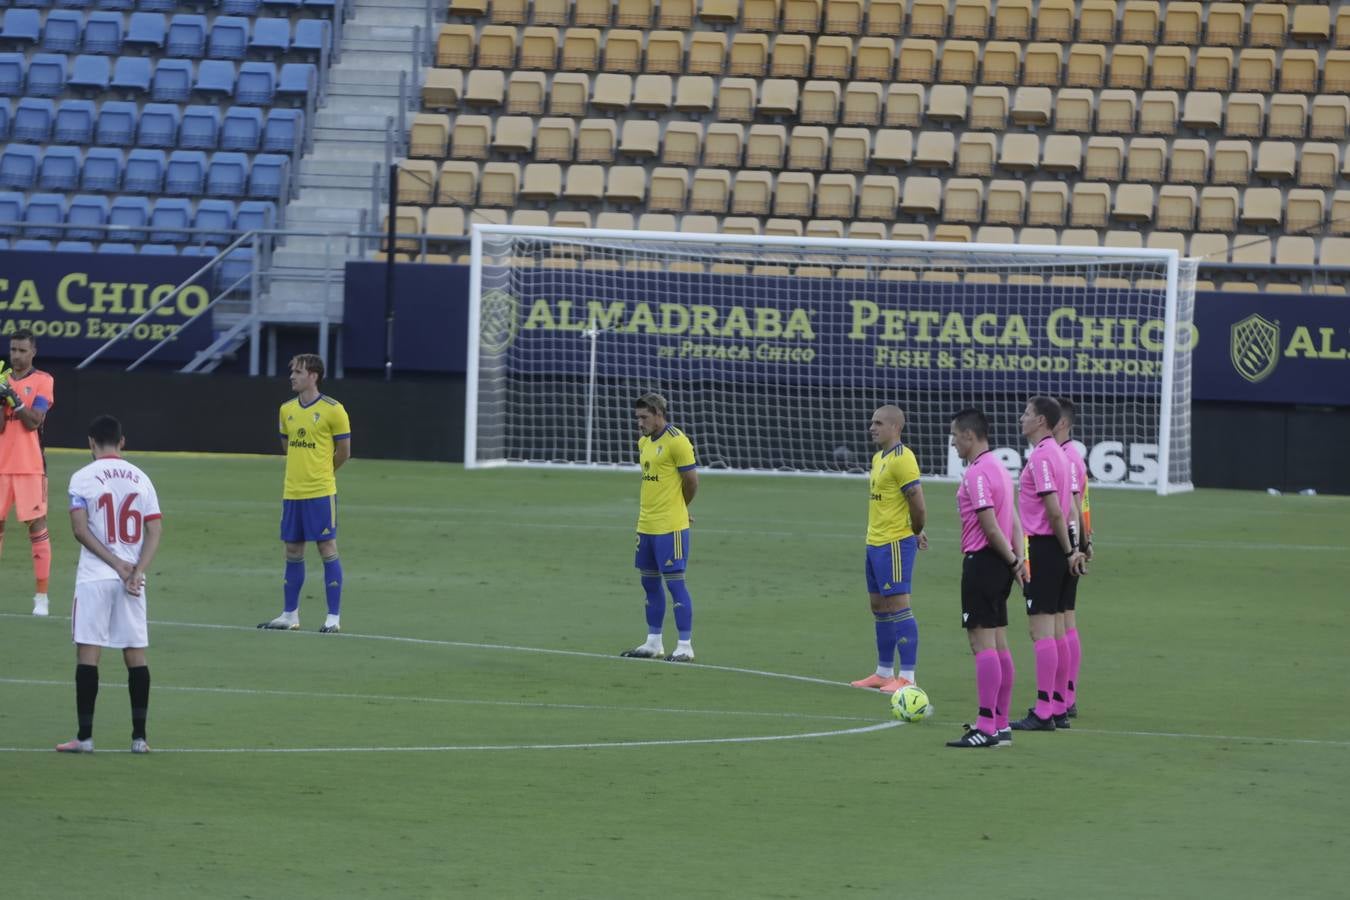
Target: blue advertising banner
(74,302)
(835,331)
(1273,349)
(431,312)
(1245,347)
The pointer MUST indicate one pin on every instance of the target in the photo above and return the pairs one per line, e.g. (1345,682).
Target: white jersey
(119,500)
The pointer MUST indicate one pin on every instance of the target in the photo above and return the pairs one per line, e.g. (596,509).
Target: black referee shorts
(1045,592)
(986,581)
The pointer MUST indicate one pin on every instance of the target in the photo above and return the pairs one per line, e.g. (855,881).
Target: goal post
(773,351)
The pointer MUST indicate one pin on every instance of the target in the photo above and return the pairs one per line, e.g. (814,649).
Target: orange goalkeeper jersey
(21,449)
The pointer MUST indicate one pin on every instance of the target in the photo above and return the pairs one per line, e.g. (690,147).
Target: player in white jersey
(115,515)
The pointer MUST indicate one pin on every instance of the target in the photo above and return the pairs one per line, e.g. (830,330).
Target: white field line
(656,743)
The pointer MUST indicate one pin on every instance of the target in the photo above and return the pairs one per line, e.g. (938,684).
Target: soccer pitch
(474,733)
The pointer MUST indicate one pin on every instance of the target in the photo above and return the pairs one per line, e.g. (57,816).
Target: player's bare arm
(918,513)
(1018,542)
(342,451)
(135,582)
(1061,529)
(79,526)
(689,487)
(994,535)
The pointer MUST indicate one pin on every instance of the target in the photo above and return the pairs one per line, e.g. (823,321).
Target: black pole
(390,248)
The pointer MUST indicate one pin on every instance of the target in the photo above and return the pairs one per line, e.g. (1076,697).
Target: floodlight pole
(390,231)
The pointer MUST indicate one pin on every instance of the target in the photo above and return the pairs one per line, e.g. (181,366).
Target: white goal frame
(1175,384)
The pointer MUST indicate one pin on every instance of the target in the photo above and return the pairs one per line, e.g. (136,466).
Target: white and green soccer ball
(910,704)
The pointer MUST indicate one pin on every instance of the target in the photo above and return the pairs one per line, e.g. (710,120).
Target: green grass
(1211,757)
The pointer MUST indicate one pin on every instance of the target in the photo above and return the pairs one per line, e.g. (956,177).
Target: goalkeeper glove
(8,397)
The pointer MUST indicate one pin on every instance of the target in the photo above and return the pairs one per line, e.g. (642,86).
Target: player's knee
(327,548)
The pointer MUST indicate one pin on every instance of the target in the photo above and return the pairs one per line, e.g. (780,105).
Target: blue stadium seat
(44,210)
(130,212)
(271,37)
(229,38)
(60,169)
(102,170)
(282,6)
(11,211)
(157,5)
(216,218)
(200,128)
(185,173)
(158,126)
(265,180)
(11,74)
(228,174)
(90,212)
(257,84)
(46,75)
(115,247)
(312,36)
(4,120)
(33,4)
(241,129)
(33,120)
(144,172)
(74,247)
(103,33)
(145,32)
(115,4)
(62,31)
(284,131)
(172,82)
(325,7)
(256,215)
(198,249)
(187,37)
(298,81)
(4,243)
(215,78)
(116,124)
(18,167)
(235,269)
(74,123)
(71,4)
(29,244)
(131,76)
(168,220)
(158,250)
(22,28)
(90,73)
(247,8)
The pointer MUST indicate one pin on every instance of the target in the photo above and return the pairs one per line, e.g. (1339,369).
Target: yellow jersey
(661,508)
(310,433)
(893,470)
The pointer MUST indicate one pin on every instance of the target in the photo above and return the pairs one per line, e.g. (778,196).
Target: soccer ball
(910,704)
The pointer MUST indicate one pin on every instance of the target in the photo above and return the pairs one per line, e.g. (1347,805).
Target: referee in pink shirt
(991,542)
(1044,500)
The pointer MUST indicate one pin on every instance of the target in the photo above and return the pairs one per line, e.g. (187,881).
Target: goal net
(774,351)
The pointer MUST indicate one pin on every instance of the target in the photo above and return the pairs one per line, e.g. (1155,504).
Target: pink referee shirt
(1046,472)
(985,485)
(1077,468)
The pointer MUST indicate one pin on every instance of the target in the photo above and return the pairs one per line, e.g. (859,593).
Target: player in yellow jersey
(895,518)
(669,482)
(317,439)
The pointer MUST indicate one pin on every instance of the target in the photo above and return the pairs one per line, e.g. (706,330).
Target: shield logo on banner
(498,315)
(1255,347)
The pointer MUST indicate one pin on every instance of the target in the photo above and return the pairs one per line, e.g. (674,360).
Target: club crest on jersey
(316,417)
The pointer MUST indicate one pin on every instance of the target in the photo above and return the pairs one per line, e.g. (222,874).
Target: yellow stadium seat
(596,140)
(640,139)
(542,181)
(723,144)
(765,146)
(683,144)
(458,183)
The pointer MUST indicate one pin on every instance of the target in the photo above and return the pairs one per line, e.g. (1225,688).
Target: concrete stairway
(335,178)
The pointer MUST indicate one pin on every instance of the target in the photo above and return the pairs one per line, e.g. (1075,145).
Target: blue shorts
(890,567)
(664,553)
(314,519)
